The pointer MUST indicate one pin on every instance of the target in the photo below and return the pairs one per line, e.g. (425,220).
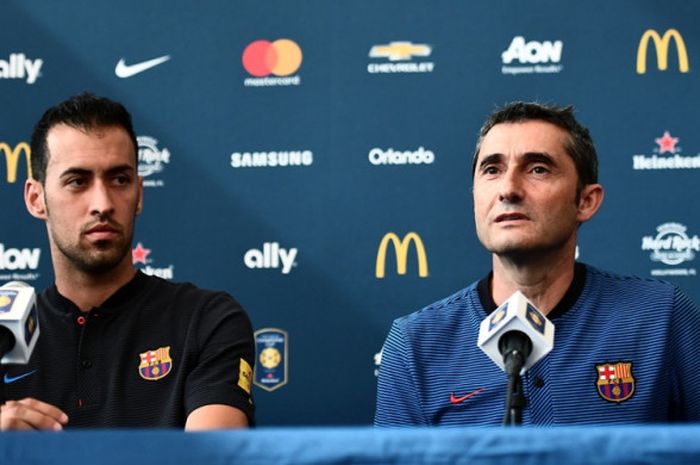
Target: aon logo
(533,51)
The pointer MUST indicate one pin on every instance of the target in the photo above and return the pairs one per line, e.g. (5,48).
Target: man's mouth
(102,231)
(511,217)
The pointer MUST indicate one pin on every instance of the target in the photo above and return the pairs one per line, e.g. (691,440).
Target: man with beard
(624,348)
(118,348)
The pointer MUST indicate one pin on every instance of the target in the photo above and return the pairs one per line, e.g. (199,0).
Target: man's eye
(490,170)
(76,182)
(540,169)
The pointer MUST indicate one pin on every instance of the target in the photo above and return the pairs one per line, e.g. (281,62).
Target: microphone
(19,322)
(516,335)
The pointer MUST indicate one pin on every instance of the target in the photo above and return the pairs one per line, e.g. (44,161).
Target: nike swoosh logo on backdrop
(123,70)
(457,400)
(12,379)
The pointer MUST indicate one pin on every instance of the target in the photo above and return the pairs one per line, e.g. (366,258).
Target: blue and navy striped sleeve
(398,402)
(685,347)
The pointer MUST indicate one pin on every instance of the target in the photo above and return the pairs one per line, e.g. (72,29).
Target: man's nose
(511,188)
(102,202)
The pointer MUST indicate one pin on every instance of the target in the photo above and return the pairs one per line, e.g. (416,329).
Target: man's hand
(29,414)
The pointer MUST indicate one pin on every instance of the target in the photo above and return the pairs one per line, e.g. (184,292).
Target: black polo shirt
(150,355)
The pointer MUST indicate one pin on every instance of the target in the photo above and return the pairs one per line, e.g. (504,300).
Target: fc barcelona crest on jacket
(155,364)
(615,381)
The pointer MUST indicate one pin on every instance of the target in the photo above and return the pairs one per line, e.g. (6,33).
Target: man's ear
(589,202)
(34,198)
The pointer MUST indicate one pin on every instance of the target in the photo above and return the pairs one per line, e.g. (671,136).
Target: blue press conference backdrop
(281,141)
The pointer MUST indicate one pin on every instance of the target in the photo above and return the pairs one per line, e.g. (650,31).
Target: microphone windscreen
(516,313)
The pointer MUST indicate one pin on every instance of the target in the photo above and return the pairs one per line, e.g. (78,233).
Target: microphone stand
(515,401)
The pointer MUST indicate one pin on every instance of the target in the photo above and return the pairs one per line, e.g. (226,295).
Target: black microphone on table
(516,336)
(19,322)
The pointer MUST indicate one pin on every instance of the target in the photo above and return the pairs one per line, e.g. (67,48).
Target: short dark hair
(579,146)
(83,111)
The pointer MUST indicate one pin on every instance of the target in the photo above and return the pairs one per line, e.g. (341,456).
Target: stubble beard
(97,261)
(96,258)
(101,258)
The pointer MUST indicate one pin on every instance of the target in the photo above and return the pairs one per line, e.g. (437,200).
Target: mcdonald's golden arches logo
(401,251)
(661,44)
(12,159)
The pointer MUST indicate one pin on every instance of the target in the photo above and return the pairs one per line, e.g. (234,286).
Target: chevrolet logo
(396,51)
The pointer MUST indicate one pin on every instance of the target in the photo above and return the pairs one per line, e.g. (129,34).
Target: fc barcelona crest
(615,381)
(155,364)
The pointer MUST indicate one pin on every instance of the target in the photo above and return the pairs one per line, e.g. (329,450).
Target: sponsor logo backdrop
(313,157)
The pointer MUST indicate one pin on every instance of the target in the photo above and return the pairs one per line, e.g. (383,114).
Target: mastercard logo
(281,58)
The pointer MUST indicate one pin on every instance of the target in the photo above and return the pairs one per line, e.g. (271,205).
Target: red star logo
(667,143)
(139,254)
